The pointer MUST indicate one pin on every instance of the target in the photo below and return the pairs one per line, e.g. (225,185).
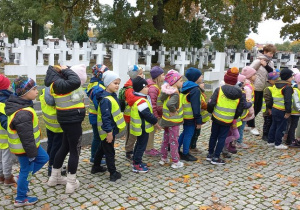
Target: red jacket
(153,93)
(129,97)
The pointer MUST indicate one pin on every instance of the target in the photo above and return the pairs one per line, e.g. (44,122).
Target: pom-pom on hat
(109,77)
(80,70)
(248,71)
(139,83)
(23,84)
(98,70)
(286,73)
(172,77)
(4,82)
(156,71)
(193,74)
(297,77)
(231,76)
(133,71)
(273,75)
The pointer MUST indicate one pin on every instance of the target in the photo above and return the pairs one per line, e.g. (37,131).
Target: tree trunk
(35,32)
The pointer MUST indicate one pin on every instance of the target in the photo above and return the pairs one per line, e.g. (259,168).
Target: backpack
(122,100)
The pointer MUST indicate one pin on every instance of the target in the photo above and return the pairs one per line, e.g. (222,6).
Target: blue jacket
(93,93)
(194,99)
(4,95)
(108,123)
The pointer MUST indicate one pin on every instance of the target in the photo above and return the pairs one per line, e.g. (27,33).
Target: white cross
(237,61)
(51,51)
(138,50)
(40,46)
(76,52)
(99,52)
(292,62)
(148,54)
(87,50)
(7,47)
(163,54)
(194,54)
(172,56)
(63,49)
(182,62)
(159,56)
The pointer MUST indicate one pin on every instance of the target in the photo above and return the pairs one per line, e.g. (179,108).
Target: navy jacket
(4,95)
(194,99)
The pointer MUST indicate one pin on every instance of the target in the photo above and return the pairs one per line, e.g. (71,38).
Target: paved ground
(257,178)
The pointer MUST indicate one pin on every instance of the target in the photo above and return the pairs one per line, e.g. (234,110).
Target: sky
(268,31)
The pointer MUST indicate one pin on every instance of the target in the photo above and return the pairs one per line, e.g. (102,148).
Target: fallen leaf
(226,208)
(173,191)
(280,175)
(284,157)
(149,164)
(256,186)
(177,179)
(91,186)
(46,206)
(211,170)
(186,176)
(195,175)
(7,197)
(261,163)
(152,207)
(122,208)
(116,145)
(298,207)
(276,201)
(95,202)
(226,169)
(85,160)
(205,208)
(258,175)
(277,207)
(170,184)
(83,206)
(127,164)
(186,180)
(295,193)
(132,198)
(239,153)
(294,184)
(215,199)
(229,183)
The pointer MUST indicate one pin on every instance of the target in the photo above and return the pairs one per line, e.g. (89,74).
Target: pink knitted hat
(297,77)
(172,77)
(80,70)
(241,78)
(248,71)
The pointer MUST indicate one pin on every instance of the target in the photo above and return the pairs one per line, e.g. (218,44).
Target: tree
(249,44)
(286,46)
(295,46)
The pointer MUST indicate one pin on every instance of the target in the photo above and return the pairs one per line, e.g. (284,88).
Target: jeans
(241,132)
(278,127)
(186,137)
(54,143)
(292,128)
(140,147)
(217,138)
(96,141)
(108,150)
(27,169)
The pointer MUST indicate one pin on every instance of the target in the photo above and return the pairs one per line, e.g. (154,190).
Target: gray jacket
(296,102)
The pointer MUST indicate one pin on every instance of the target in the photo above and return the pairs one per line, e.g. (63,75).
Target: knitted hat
(273,75)
(286,73)
(156,71)
(172,77)
(80,70)
(297,77)
(4,82)
(231,76)
(23,84)
(193,74)
(98,70)
(133,71)
(109,77)
(248,71)
(138,84)
(241,78)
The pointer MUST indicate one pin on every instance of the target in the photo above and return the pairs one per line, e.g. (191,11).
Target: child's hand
(173,114)
(157,126)
(287,115)
(263,62)
(63,67)
(109,137)
(198,126)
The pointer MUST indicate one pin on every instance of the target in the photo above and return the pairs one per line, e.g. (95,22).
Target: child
(272,78)
(141,122)
(281,108)
(154,84)
(191,111)
(65,86)
(225,106)
(250,74)
(24,136)
(110,122)
(172,117)
(133,72)
(95,86)
(6,156)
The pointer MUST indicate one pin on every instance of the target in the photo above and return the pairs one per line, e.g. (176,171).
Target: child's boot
(72,183)
(9,181)
(56,178)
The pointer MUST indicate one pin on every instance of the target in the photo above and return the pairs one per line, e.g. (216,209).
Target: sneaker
(281,146)
(10,181)
(217,161)
(247,129)
(271,144)
(254,131)
(264,138)
(26,202)
(129,156)
(115,176)
(177,165)
(242,145)
(97,169)
(209,157)
(152,152)
(139,168)
(164,161)
(295,144)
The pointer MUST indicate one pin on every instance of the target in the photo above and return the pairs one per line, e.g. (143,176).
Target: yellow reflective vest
(225,108)
(264,107)
(187,108)
(204,114)
(15,144)
(166,112)
(294,110)
(49,115)
(278,99)
(115,113)
(65,102)
(92,109)
(136,121)
(3,132)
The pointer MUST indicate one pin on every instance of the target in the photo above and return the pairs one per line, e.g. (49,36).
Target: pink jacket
(248,91)
(154,93)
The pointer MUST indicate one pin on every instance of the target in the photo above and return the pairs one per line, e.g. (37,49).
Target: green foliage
(286,46)
(295,48)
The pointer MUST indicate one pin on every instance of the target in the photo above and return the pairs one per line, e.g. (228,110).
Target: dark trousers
(108,150)
(140,147)
(278,127)
(258,100)
(96,140)
(267,125)
(54,143)
(195,138)
(71,143)
(217,138)
(293,123)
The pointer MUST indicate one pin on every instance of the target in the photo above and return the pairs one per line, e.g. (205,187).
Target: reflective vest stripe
(3,141)
(138,121)
(16,136)
(205,116)
(52,124)
(51,117)
(225,109)
(19,146)
(278,99)
(3,132)
(67,104)
(92,109)
(223,116)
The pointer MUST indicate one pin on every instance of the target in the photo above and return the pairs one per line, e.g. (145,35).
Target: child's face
(162,77)
(141,74)
(269,54)
(272,82)
(114,86)
(145,90)
(199,79)
(32,94)
(179,83)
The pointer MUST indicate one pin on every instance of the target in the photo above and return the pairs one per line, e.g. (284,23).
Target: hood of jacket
(51,76)
(282,83)
(231,92)
(14,103)
(187,86)
(4,95)
(166,91)
(128,83)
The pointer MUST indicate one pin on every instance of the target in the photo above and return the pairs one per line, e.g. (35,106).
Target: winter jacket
(261,71)
(231,92)
(154,93)
(287,92)
(4,95)
(248,92)
(129,97)
(194,98)
(173,103)
(296,102)
(108,123)
(65,82)
(22,123)
(268,97)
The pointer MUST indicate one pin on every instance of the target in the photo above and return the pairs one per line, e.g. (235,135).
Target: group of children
(142,107)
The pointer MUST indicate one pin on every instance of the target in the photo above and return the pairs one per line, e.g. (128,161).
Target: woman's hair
(158,81)
(270,48)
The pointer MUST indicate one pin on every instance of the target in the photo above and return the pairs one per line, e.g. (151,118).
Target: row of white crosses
(285,62)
